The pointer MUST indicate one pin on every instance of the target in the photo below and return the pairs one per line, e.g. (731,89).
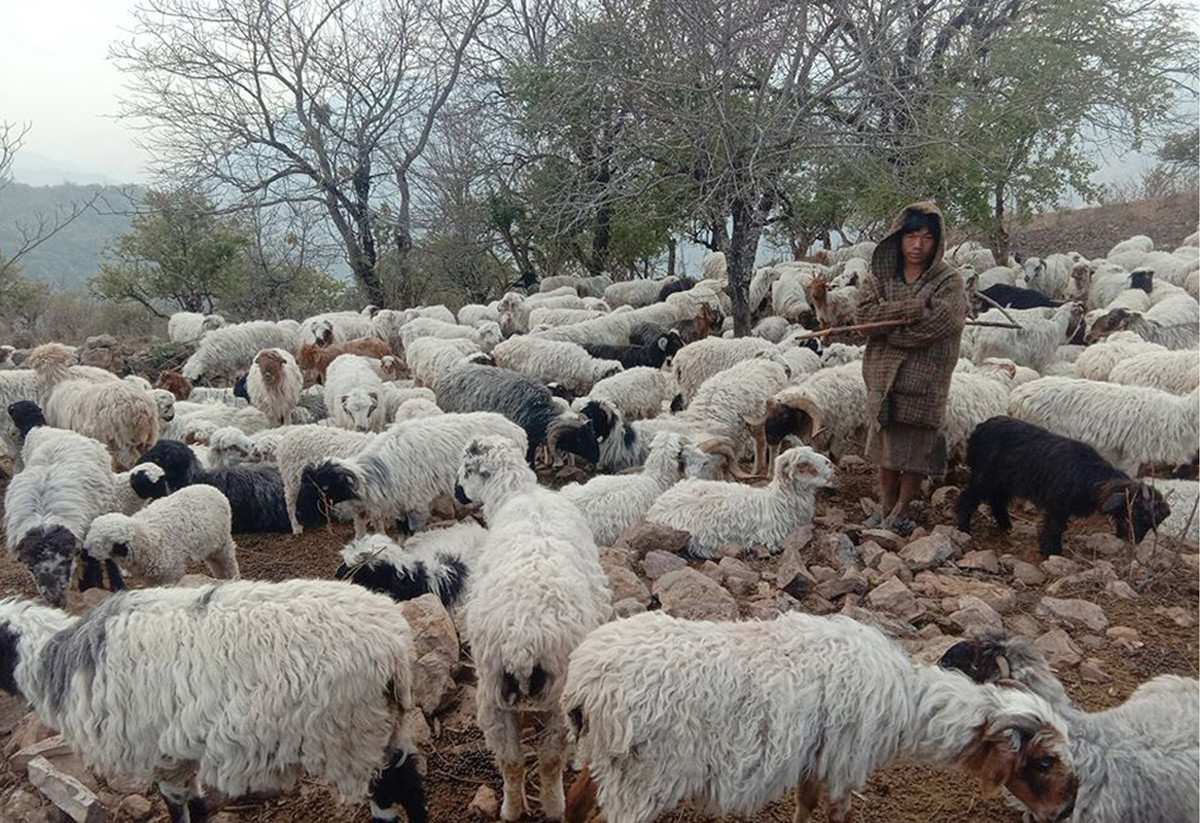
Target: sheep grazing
(250,686)
(613,503)
(190,326)
(552,361)
(1096,361)
(431,358)
(1065,478)
(1172,323)
(735,714)
(302,446)
(255,494)
(539,589)
(436,562)
(525,401)
(654,355)
(182,389)
(191,525)
(354,394)
(827,408)
(1136,761)
(1042,331)
(314,360)
(225,353)
(1129,426)
(274,384)
(715,513)
(398,474)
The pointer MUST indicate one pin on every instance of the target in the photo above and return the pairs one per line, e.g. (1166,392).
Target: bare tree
(330,102)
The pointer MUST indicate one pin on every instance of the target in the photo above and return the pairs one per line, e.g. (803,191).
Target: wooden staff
(889,324)
(996,305)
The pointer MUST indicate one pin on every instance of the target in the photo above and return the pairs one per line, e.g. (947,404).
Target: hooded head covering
(886,259)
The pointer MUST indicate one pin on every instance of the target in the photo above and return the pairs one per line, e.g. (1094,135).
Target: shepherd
(907,368)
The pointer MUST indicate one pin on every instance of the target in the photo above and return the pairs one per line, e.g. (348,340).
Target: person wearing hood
(907,367)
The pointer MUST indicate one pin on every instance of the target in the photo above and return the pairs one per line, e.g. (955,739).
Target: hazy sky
(54,74)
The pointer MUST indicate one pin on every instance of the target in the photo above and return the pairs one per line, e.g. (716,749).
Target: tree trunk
(670,257)
(720,237)
(404,241)
(748,220)
(601,237)
(1000,238)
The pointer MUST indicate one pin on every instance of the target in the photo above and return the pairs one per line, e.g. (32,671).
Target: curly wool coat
(907,370)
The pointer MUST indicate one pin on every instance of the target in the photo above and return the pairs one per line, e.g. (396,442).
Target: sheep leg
(224,566)
(998,503)
(840,810)
(502,733)
(808,795)
(968,501)
(1050,541)
(552,758)
(181,791)
(399,783)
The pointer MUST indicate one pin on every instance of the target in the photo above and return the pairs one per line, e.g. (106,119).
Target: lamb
(654,355)
(1010,458)
(1136,761)
(613,503)
(190,525)
(398,474)
(733,714)
(251,685)
(537,592)
(190,326)
(515,308)
(274,385)
(552,361)
(716,513)
(1177,372)
(354,394)
(334,327)
(525,401)
(788,295)
(255,494)
(226,352)
(1128,425)
(485,336)
(314,360)
(118,414)
(1173,323)
(1034,344)
(696,362)
(638,393)
(302,446)
(1096,362)
(436,562)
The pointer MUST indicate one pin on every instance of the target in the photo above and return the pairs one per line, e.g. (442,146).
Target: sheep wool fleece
(907,370)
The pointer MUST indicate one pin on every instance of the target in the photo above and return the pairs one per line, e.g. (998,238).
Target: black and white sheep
(1010,458)
(654,355)
(250,686)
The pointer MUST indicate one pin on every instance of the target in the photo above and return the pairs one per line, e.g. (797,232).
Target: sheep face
(240,389)
(50,554)
(575,437)
(1023,752)
(148,481)
(165,401)
(1133,507)
(803,467)
(178,462)
(176,384)
(482,458)
(360,408)
(322,333)
(26,416)
(321,488)
(490,335)
(109,536)
(270,362)
(212,322)
(1114,321)
(230,446)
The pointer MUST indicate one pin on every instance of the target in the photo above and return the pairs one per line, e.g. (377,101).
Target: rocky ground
(1108,615)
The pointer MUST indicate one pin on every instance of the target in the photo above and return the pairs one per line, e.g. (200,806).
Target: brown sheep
(314,360)
(176,384)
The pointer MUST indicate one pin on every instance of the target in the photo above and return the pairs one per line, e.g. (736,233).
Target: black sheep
(1014,297)
(255,494)
(1010,458)
(653,355)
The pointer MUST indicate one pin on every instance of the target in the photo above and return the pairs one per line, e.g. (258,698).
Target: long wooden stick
(889,324)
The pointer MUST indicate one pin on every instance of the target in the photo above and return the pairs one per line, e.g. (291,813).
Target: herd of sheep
(381,417)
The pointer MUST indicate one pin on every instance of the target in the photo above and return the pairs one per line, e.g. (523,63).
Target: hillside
(73,255)
(1092,232)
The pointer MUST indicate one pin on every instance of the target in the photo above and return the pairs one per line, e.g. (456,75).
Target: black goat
(654,355)
(1014,297)
(1010,458)
(674,285)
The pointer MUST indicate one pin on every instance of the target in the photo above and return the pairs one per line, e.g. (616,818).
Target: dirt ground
(458,763)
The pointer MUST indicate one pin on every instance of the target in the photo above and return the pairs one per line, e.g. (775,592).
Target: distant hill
(69,258)
(1092,232)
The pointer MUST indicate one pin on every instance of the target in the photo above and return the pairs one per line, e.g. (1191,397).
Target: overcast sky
(55,74)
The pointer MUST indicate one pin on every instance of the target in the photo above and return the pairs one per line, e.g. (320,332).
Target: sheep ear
(662,343)
(1114,503)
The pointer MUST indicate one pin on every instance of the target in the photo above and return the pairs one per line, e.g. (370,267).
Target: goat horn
(810,408)
(1002,665)
(718,445)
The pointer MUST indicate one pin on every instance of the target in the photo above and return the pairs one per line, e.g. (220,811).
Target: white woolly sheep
(198,421)
(191,525)
(1177,372)
(190,326)
(827,408)
(335,327)
(274,385)
(251,685)
(229,446)
(1042,331)
(118,414)
(561,317)
(635,293)
(760,287)
(613,503)
(970,253)
(696,362)
(1136,761)
(713,266)
(537,592)
(1173,322)
(553,361)
(839,354)
(302,446)
(399,473)
(1050,275)
(515,308)
(227,352)
(354,394)
(15,385)
(736,714)
(715,513)
(485,336)
(1128,425)
(974,397)
(771,328)
(437,562)
(430,358)
(473,314)
(414,408)
(1096,362)
(789,295)
(638,393)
